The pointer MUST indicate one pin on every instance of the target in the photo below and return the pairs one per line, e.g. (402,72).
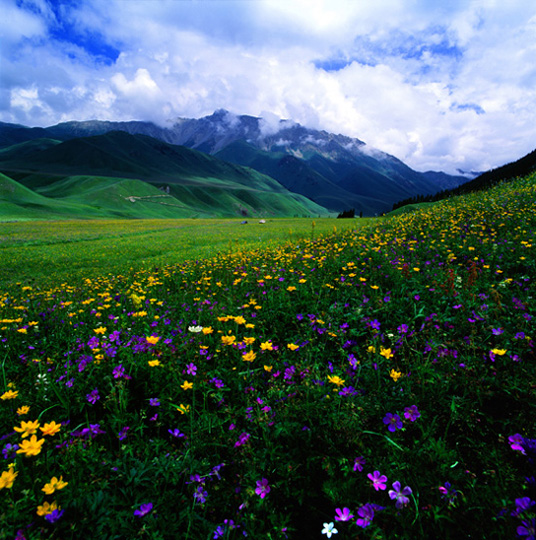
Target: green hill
(138,176)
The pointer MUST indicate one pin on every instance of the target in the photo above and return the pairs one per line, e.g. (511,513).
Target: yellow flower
(375,287)
(207,330)
(31,447)
(228,340)
(47,508)
(53,485)
(10,394)
(100,330)
(292,347)
(7,478)
(183,409)
(267,346)
(268,368)
(291,288)
(395,375)
(154,363)
(249,356)
(50,428)
(371,349)
(152,340)
(499,352)
(239,320)
(335,379)
(23,410)
(27,428)
(386,353)
(187,385)
(249,340)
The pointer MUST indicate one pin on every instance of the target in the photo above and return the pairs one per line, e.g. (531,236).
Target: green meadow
(203,379)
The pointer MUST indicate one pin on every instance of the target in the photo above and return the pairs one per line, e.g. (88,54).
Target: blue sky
(440,85)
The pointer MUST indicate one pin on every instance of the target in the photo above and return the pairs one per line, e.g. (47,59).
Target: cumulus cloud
(443,88)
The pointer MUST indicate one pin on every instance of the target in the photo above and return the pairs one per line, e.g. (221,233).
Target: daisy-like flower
(54,485)
(10,394)
(27,428)
(7,478)
(31,447)
(23,410)
(267,346)
(262,488)
(47,508)
(195,329)
(249,356)
(400,495)
(329,529)
(50,428)
(187,385)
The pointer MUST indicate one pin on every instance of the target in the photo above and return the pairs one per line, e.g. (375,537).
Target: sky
(441,84)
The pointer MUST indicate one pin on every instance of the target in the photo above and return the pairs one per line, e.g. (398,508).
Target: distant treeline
(521,167)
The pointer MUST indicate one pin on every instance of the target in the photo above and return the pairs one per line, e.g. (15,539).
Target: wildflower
(93,396)
(292,346)
(100,330)
(329,529)
(207,330)
(50,428)
(395,375)
(516,442)
(152,340)
(55,515)
(144,509)
(378,480)
(358,463)
(200,495)
(195,329)
(123,433)
(9,450)
(522,504)
(343,515)
(239,319)
(228,340)
(336,380)
(27,428)
(154,363)
(498,352)
(10,394)
(249,356)
(47,508)
(386,353)
(54,485)
(393,422)
(497,331)
(187,385)
(23,410)
(176,433)
(400,495)
(262,488)
(366,515)
(267,346)
(183,409)
(31,447)
(411,413)
(154,402)
(242,439)
(191,369)
(7,478)
(527,529)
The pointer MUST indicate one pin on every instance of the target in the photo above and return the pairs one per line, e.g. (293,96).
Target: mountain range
(222,164)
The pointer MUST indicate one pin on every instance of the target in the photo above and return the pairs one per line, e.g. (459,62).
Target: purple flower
(93,396)
(176,433)
(191,369)
(144,509)
(54,516)
(358,463)
(411,413)
(516,442)
(200,495)
(10,451)
(343,515)
(375,324)
(119,372)
(497,331)
(400,495)
(527,529)
(123,433)
(242,439)
(154,402)
(366,514)
(262,488)
(403,329)
(522,504)
(393,422)
(378,480)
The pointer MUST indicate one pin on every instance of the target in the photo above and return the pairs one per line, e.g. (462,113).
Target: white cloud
(440,87)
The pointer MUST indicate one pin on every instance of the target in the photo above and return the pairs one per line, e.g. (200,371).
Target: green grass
(48,252)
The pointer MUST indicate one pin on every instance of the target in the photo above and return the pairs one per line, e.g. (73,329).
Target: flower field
(377,382)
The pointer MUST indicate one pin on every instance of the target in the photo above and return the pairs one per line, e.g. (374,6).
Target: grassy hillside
(121,175)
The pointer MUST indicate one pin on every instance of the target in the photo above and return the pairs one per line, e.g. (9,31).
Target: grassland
(375,382)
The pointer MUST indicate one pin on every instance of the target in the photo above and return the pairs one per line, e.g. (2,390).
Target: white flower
(195,329)
(329,529)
